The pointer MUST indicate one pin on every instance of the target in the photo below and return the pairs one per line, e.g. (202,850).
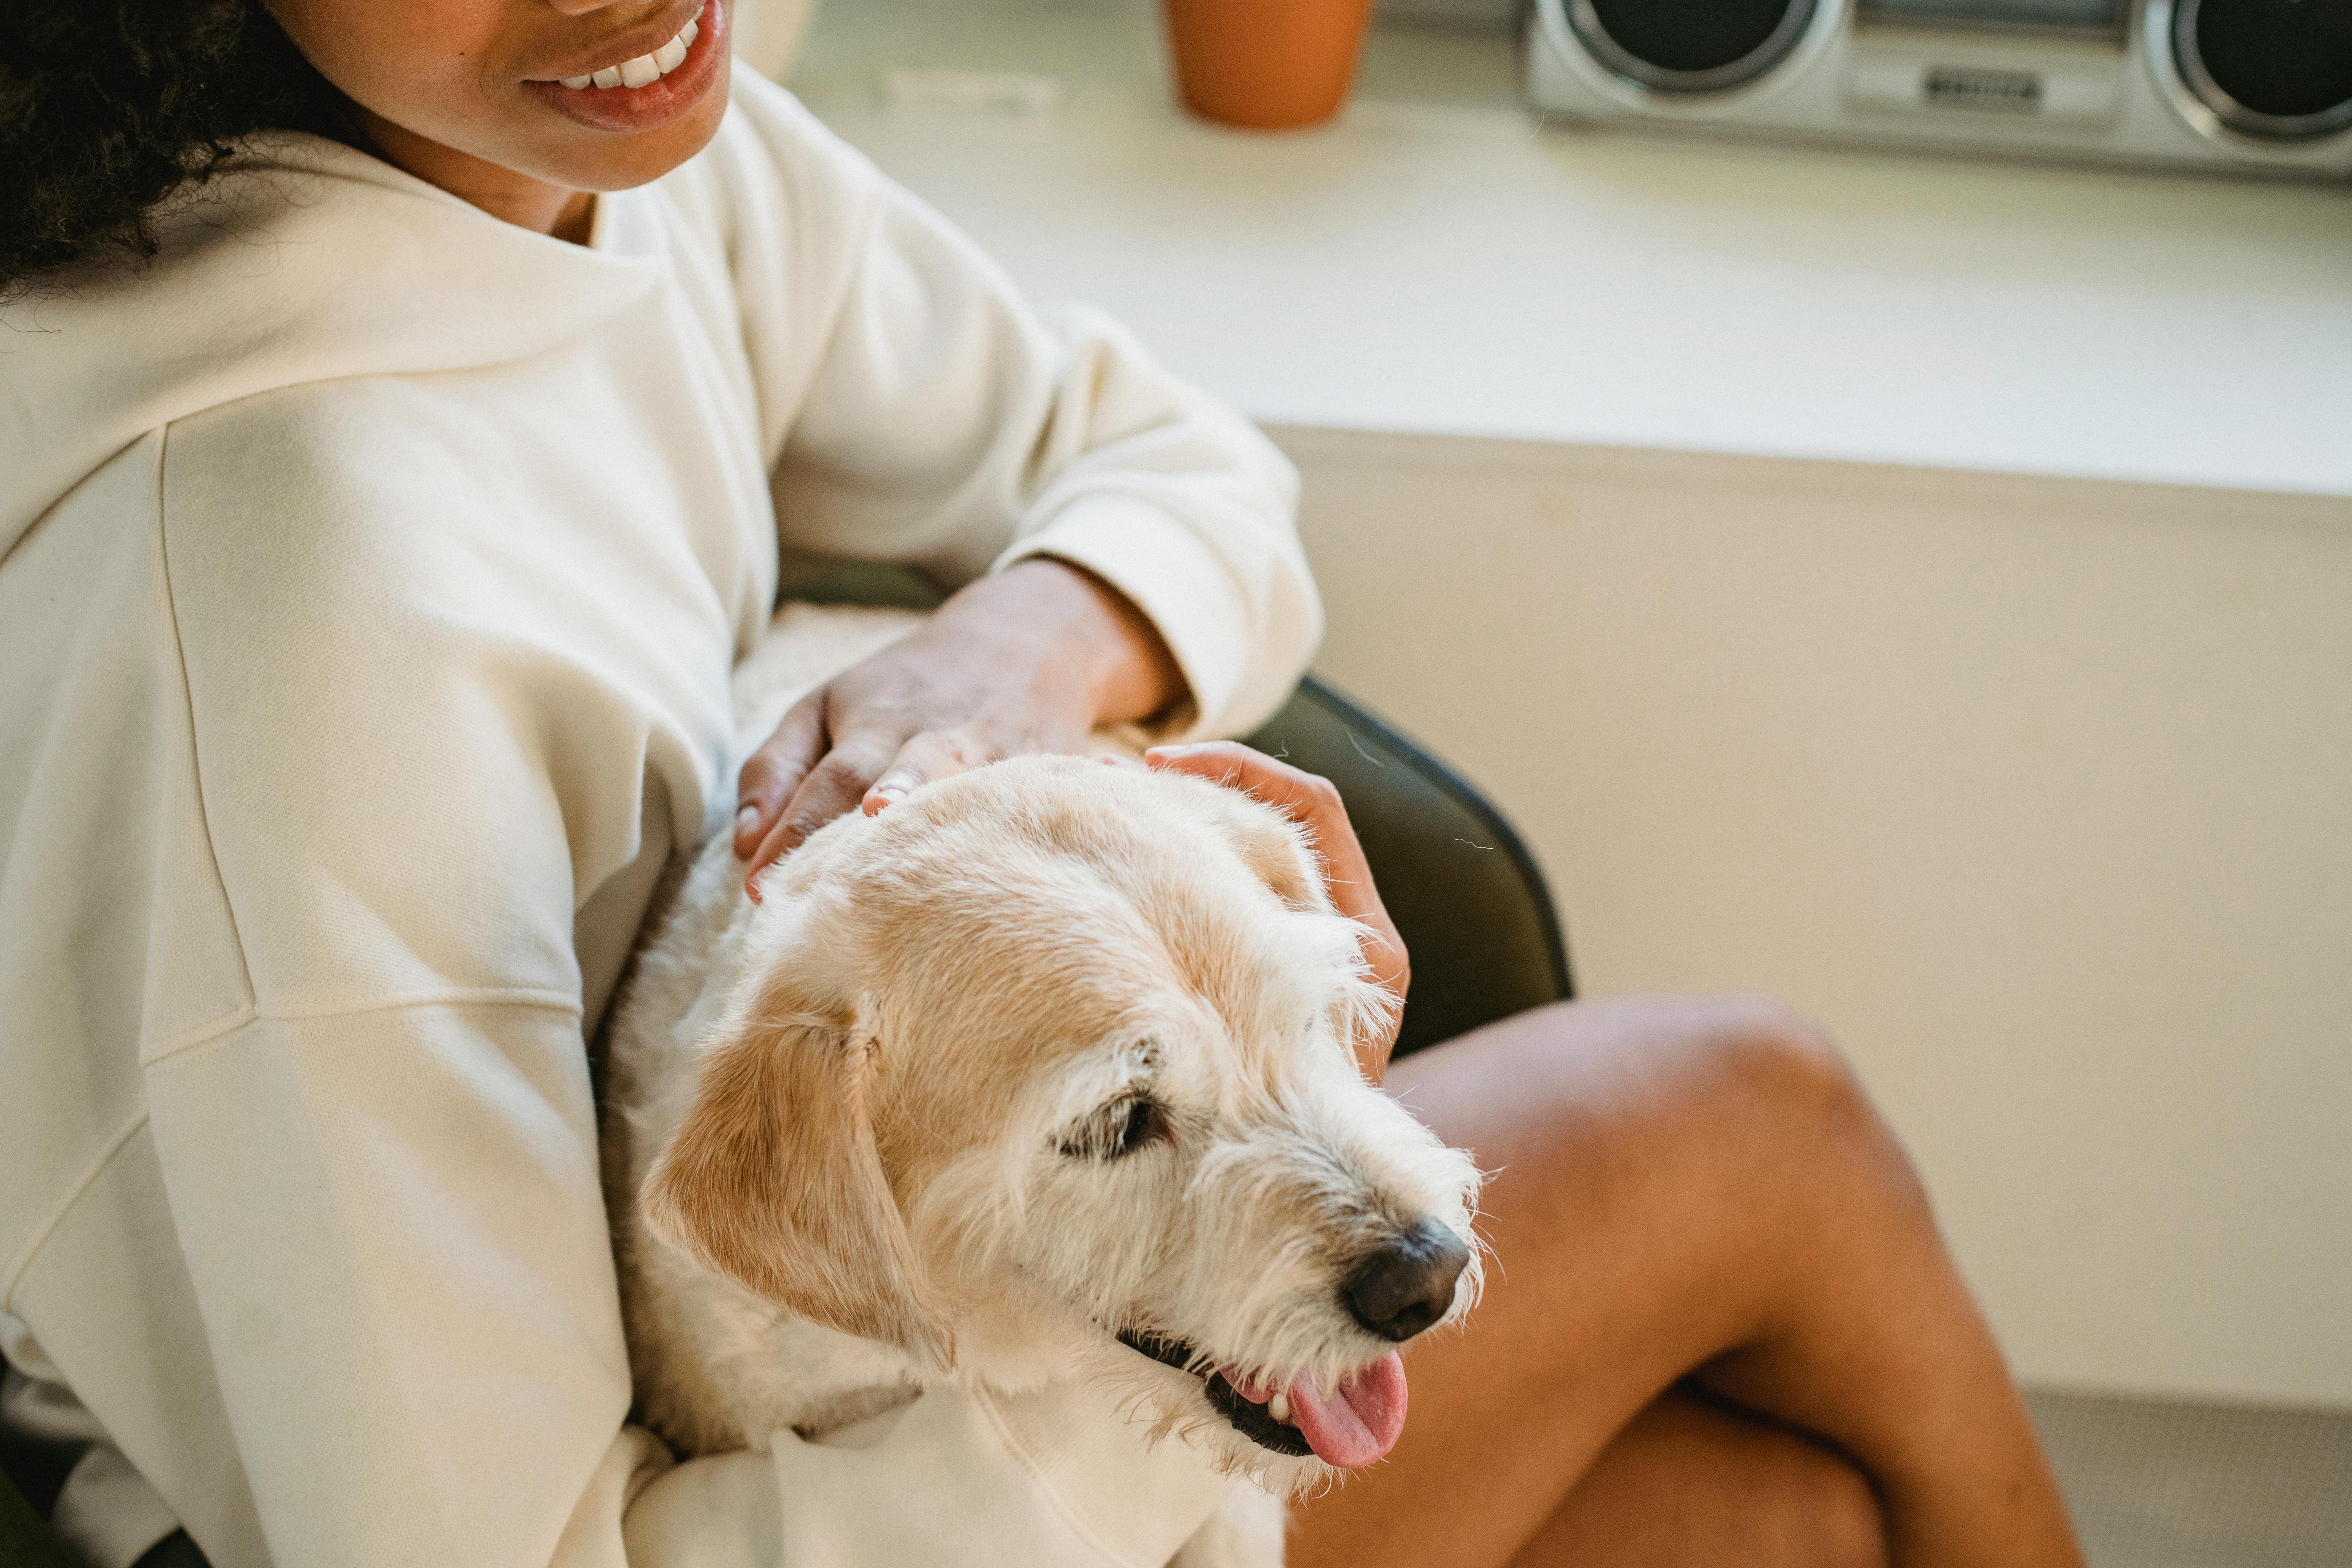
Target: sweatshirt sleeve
(918,410)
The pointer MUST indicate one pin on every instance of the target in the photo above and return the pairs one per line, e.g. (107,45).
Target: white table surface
(1437,261)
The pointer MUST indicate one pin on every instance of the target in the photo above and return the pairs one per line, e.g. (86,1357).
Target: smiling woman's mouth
(644,68)
(1352,1425)
(649,88)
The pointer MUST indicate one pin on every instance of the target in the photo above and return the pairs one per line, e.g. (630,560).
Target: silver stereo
(2252,86)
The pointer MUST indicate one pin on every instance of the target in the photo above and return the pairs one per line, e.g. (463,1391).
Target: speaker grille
(2279,69)
(1690,45)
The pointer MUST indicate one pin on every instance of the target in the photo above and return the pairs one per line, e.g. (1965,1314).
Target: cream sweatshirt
(370,573)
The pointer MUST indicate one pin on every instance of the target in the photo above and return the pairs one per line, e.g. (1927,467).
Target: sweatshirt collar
(302,260)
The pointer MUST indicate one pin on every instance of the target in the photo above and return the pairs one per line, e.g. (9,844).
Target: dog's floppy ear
(774,1181)
(1276,853)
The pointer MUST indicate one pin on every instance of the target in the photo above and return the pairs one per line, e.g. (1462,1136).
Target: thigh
(1633,1145)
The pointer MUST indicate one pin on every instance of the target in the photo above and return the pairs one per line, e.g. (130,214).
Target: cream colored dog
(1045,1071)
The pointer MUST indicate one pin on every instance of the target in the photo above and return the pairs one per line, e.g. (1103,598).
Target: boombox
(2244,86)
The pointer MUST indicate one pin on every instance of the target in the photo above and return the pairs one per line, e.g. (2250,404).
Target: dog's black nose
(1408,1284)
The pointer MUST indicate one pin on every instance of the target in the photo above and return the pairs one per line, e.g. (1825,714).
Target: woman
(372,557)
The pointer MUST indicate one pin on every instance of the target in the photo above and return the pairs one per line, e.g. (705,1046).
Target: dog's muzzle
(1405,1286)
(1252,1421)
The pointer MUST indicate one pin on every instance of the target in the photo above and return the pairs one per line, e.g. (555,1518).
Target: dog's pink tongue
(1356,1423)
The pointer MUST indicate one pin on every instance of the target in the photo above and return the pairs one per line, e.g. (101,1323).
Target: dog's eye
(1119,1127)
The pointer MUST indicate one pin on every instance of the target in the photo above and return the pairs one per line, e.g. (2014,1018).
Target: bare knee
(1652,1066)
(1688,1099)
(1775,1050)
(1746,1090)
(1770,1067)
(1755,1042)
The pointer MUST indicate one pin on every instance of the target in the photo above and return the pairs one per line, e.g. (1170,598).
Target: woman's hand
(1314,804)
(1032,659)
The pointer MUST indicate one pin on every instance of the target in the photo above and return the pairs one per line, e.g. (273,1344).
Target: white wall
(2038,791)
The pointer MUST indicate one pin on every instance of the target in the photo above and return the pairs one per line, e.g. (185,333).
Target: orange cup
(1270,65)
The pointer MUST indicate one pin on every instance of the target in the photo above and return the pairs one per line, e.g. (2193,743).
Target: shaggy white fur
(1048,1053)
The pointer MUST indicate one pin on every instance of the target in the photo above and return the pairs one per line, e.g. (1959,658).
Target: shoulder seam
(188,709)
(253,1009)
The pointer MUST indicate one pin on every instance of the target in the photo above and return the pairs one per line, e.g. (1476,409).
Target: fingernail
(746,820)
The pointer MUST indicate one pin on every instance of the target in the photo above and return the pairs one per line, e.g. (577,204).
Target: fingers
(1315,802)
(1236,766)
(826,791)
(1306,797)
(926,757)
(867,770)
(776,769)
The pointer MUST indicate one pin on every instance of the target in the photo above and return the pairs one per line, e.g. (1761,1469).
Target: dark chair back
(1467,896)
(25,1539)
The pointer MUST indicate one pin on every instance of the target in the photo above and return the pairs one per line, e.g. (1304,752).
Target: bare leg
(1687,1188)
(1690,1483)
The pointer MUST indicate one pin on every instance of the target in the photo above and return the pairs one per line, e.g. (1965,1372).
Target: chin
(618,136)
(639,159)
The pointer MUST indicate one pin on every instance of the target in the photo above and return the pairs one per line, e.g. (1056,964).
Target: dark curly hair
(109,105)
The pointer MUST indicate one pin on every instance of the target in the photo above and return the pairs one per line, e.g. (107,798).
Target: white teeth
(1279,1406)
(644,68)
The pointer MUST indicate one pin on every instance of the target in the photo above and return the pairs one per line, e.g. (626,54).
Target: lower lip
(658,103)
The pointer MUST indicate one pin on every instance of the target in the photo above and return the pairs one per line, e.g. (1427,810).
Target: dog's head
(1048,1069)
